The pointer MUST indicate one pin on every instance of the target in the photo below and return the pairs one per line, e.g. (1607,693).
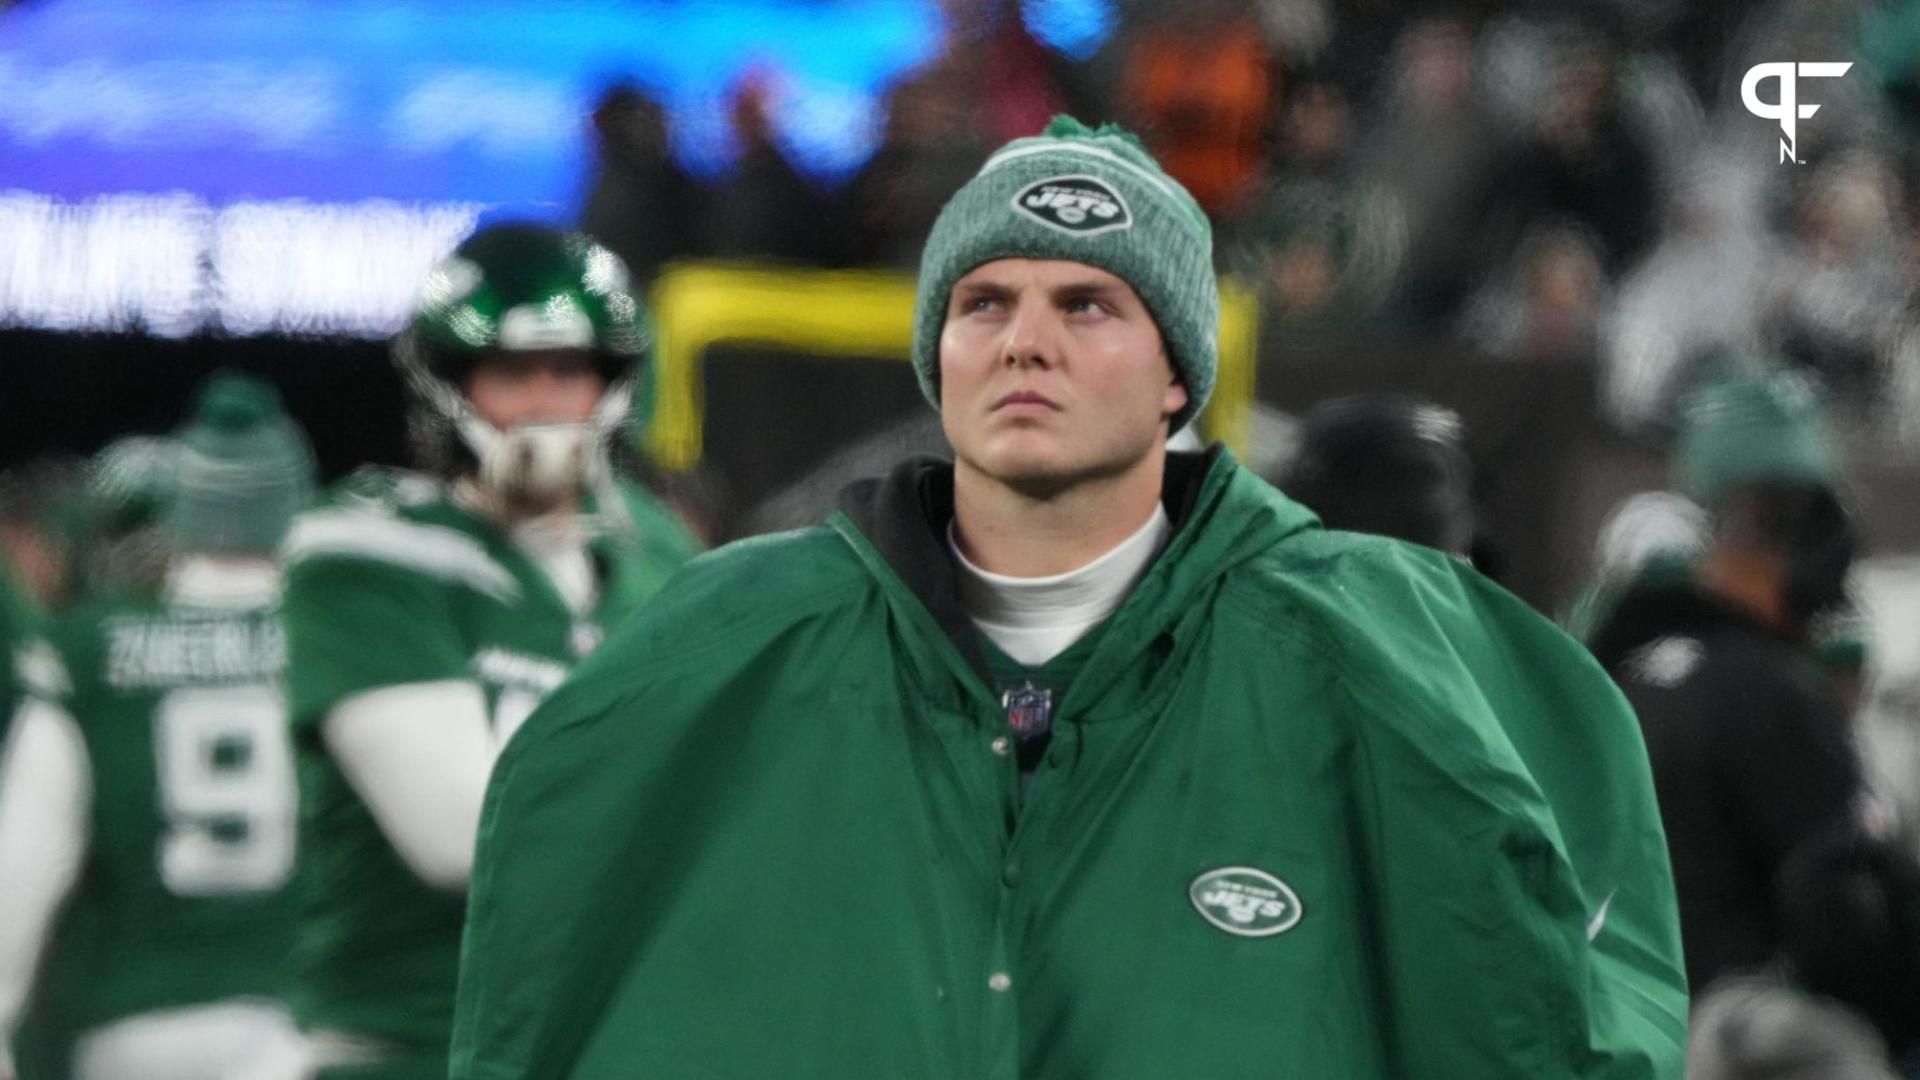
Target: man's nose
(1032,338)
(547,392)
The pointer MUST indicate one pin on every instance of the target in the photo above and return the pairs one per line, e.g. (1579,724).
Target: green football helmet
(521,287)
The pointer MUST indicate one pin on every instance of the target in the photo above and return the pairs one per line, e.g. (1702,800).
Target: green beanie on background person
(244,468)
(1740,429)
(1756,454)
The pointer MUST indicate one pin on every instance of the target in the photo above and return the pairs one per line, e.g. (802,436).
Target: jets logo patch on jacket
(1245,901)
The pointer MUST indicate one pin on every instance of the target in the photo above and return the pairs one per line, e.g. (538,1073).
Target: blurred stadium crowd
(1505,187)
(1543,182)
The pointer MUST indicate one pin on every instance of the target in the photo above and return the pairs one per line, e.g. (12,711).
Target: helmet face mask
(539,464)
(522,289)
(536,463)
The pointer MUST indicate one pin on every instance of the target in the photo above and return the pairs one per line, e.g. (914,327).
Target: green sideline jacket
(1317,806)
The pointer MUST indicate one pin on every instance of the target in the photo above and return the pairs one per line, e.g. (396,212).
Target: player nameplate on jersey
(1076,205)
(1245,902)
(161,650)
(1029,709)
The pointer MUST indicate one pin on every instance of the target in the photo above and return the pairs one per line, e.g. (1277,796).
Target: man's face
(551,386)
(1052,372)
(38,560)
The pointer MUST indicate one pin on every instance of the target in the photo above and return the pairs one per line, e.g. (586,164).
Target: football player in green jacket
(429,612)
(147,806)
(1074,757)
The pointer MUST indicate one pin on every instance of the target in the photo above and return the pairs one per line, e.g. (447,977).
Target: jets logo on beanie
(1080,205)
(1092,196)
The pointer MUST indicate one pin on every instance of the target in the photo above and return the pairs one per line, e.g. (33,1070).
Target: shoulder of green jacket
(1411,633)
(733,597)
(1353,587)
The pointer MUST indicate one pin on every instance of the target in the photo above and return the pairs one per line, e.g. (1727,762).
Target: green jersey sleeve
(356,624)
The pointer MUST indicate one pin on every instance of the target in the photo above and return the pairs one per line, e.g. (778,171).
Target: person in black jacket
(1752,757)
(1387,464)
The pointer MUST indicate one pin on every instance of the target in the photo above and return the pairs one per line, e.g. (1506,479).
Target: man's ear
(1174,400)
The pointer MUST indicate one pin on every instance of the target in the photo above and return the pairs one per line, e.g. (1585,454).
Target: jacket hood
(1222,515)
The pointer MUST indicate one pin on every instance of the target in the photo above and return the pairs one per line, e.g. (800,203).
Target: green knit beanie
(1739,429)
(1092,196)
(244,470)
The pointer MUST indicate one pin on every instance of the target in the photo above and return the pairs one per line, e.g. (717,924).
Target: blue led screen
(411,100)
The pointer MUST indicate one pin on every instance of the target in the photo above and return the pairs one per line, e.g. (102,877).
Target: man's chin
(1034,476)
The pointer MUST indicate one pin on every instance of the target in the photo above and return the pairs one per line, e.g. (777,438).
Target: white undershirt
(1034,619)
(559,548)
(419,754)
(557,544)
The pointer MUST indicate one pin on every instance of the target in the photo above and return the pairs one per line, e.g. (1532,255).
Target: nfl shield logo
(1029,709)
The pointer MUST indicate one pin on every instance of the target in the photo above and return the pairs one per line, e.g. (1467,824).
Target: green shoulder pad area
(423,538)
(74,639)
(660,528)
(356,622)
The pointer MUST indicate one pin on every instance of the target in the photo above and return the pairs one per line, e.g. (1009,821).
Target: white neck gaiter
(1035,619)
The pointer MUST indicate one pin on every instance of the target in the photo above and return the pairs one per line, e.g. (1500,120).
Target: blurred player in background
(1387,464)
(1777,854)
(147,807)
(429,612)
(73,530)
(1750,748)
(45,522)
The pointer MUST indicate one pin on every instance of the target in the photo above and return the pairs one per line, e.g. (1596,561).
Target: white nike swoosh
(1599,917)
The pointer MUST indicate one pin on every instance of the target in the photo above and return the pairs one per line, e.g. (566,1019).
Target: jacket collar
(896,523)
